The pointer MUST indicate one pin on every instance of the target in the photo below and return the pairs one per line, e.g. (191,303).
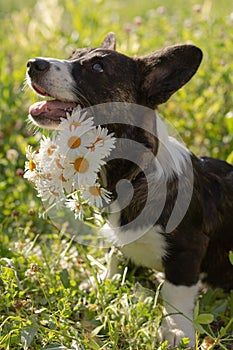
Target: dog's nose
(38,65)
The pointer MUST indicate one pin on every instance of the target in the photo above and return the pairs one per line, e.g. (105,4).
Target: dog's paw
(174,331)
(178,313)
(174,337)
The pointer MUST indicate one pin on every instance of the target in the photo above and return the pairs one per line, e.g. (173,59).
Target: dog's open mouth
(51,109)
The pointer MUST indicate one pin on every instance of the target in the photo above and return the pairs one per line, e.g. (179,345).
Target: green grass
(41,268)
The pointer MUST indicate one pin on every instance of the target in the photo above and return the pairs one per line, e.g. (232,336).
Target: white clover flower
(12,154)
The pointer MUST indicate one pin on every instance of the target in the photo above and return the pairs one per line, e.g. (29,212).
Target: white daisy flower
(49,151)
(95,195)
(103,142)
(55,178)
(75,141)
(73,203)
(76,120)
(50,182)
(69,161)
(51,191)
(83,169)
(67,184)
(31,167)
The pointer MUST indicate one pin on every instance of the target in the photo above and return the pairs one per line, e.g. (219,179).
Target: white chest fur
(148,250)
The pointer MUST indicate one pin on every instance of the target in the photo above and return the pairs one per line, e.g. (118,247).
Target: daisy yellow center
(54,193)
(75,124)
(59,164)
(48,176)
(81,165)
(92,147)
(32,165)
(74,142)
(98,139)
(94,190)
(51,150)
(61,177)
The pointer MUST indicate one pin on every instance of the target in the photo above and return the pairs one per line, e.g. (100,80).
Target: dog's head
(94,76)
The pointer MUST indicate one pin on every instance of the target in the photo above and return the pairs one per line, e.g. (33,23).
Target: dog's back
(217,193)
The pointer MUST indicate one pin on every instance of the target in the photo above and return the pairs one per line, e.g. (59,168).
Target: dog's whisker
(25,85)
(32,127)
(81,98)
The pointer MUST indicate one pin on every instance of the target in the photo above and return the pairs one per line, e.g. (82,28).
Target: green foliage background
(41,304)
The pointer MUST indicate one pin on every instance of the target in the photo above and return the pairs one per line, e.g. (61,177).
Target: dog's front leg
(179,292)
(178,313)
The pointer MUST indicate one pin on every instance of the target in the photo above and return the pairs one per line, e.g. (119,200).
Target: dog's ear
(109,42)
(165,71)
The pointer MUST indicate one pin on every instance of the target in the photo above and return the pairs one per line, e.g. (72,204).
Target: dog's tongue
(51,109)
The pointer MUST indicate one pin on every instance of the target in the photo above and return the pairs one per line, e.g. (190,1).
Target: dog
(197,248)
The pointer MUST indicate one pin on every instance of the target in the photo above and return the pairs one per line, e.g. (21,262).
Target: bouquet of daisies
(66,166)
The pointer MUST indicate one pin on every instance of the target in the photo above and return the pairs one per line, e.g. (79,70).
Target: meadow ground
(41,268)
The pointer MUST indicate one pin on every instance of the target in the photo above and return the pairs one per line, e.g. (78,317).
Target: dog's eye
(97,68)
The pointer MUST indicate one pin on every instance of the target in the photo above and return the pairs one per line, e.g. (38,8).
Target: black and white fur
(200,244)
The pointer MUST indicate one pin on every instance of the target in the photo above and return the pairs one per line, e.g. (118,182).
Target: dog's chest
(148,250)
